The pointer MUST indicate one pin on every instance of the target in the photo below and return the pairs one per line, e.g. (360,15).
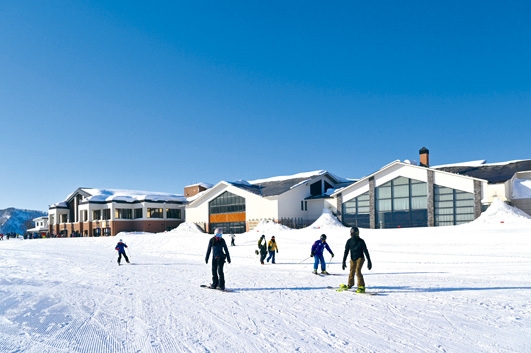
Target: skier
(317,253)
(120,247)
(357,247)
(220,252)
(262,246)
(272,247)
(232,239)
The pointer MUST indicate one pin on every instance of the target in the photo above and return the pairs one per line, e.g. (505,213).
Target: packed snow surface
(444,289)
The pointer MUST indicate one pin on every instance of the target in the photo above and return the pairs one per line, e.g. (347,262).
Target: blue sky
(162,94)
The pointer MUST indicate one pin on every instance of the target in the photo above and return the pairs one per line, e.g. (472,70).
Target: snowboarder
(357,247)
(262,246)
(317,253)
(232,239)
(272,248)
(120,247)
(220,252)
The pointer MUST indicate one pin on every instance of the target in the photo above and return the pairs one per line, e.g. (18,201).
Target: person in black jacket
(357,247)
(220,252)
(262,247)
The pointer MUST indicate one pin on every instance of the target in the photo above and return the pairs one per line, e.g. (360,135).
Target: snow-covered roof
(462,164)
(492,172)
(279,184)
(121,195)
(521,189)
(205,185)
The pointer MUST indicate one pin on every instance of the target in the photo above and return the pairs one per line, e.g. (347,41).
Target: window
(96,215)
(452,207)
(173,213)
(229,227)
(64,218)
(154,213)
(106,214)
(139,213)
(316,188)
(227,203)
(84,216)
(123,213)
(402,202)
(356,212)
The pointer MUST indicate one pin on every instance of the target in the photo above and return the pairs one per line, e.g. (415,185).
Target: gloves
(332,254)
(369,265)
(206,260)
(344,265)
(277,251)
(311,255)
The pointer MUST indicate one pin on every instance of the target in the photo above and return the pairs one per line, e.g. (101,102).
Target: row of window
(124,213)
(402,202)
(227,203)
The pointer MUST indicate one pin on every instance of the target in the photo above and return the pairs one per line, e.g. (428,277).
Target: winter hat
(323,236)
(354,231)
(218,231)
(273,237)
(120,240)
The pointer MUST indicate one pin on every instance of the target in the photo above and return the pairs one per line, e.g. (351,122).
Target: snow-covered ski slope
(446,289)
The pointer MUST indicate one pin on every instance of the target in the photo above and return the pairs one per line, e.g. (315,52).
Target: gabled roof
(493,172)
(389,166)
(278,185)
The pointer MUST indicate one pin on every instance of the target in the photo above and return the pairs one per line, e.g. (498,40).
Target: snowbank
(269,227)
(326,221)
(187,228)
(500,212)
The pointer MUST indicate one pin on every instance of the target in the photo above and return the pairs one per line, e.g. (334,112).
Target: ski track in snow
(436,295)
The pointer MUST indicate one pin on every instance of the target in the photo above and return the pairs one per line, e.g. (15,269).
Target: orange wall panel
(227,217)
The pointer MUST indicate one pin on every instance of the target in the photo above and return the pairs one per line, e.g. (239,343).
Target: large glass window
(356,212)
(138,213)
(229,227)
(106,214)
(123,213)
(154,213)
(402,202)
(227,203)
(452,206)
(96,215)
(173,213)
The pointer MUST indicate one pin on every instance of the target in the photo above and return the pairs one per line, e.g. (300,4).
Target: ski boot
(324,273)
(361,289)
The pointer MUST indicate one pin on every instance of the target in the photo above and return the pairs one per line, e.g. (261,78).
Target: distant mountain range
(18,221)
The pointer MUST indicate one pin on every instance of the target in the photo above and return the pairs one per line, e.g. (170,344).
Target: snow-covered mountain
(14,220)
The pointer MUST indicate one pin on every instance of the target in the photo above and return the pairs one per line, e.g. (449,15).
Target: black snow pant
(262,256)
(120,254)
(218,277)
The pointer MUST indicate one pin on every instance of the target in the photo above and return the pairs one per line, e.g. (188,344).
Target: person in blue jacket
(120,247)
(220,252)
(317,253)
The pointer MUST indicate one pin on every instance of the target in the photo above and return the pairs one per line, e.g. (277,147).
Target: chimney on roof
(424,157)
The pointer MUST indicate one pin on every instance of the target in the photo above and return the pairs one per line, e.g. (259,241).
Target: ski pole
(305,259)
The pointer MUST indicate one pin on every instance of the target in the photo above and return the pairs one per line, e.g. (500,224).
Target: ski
(353,290)
(218,289)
